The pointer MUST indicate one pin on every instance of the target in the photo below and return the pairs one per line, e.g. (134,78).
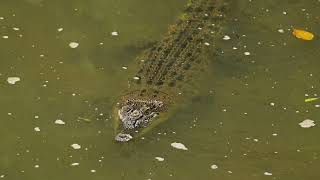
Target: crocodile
(166,67)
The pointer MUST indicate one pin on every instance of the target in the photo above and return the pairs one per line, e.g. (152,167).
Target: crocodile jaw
(134,115)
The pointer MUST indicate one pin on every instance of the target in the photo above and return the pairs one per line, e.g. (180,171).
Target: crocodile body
(165,68)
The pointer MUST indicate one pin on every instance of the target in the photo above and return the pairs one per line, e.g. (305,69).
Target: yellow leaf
(302,34)
(310,99)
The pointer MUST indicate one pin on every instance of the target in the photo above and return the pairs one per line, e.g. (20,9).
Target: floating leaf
(302,34)
(310,99)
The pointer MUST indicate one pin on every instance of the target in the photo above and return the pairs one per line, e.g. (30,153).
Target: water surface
(244,119)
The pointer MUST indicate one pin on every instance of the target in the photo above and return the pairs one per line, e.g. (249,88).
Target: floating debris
(247,53)
(114,33)
(267,173)
(307,123)
(5,37)
(207,44)
(84,119)
(310,99)
(213,166)
(280,30)
(226,38)
(75,146)
(179,146)
(302,34)
(37,129)
(59,121)
(93,171)
(159,158)
(60,29)
(73,45)
(13,80)
(75,164)
(36,166)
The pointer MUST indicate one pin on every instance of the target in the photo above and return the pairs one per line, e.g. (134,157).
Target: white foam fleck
(280,30)
(207,44)
(75,164)
(159,158)
(36,166)
(93,171)
(2,176)
(226,37)
(267,173)
(59,121)
(5,37)
(247,53)
(73,44)
(307,123)
(37,129)
(13,80)
(136,78)
(76,146)
(179,146)
(213,166)
(60,29)
(114,33)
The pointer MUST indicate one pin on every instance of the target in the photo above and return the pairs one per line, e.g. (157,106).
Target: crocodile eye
(136,113)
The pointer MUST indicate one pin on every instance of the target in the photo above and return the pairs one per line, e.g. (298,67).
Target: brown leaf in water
(302,34)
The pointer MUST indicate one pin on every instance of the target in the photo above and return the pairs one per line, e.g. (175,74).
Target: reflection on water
(244,123)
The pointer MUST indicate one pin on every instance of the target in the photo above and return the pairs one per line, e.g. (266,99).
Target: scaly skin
(166,67)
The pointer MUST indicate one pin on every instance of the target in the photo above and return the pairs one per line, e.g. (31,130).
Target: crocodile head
(134,114)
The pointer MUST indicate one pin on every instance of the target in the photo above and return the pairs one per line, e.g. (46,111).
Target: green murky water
(245,120)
